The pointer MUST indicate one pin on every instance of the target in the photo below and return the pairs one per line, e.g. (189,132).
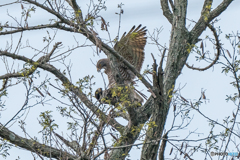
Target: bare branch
(21,29)
(49,10)
(97,133)
(8,3)
(74,145)
(27,72)
(46,58)
(78,11)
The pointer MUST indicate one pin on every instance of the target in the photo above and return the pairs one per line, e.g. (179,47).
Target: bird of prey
(131,47)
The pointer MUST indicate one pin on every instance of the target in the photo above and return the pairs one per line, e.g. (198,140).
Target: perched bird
(131,47)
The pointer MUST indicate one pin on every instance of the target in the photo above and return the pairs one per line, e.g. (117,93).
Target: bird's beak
(98,69)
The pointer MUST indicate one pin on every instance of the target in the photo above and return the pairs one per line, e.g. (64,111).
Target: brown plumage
(131,47)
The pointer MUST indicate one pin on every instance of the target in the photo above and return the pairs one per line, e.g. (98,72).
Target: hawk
(131,47)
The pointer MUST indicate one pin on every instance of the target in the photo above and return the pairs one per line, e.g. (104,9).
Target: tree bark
(181,43)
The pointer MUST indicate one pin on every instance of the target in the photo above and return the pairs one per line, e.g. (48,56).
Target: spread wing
(131,46)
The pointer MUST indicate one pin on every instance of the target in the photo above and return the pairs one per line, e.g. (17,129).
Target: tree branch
(27,72)
(68,85)
(218,46)
(78,11)
(166,10)
(207,16)
(162,147)
(205,8)
(5,80)
(74,144)
(49,10)
(94,140)
(83,30)
(220,8)
(8,3)
(21,29)
(34,146)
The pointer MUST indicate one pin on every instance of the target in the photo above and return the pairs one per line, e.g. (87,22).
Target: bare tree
(93,123)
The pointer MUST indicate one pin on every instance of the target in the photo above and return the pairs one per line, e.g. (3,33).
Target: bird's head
(102,64)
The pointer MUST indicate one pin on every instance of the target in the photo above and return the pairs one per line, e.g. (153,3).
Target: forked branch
(207,16)
(166,10)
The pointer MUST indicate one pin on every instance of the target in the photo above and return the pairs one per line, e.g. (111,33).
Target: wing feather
(131,46)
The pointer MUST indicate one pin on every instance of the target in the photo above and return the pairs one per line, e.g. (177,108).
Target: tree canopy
(47,81)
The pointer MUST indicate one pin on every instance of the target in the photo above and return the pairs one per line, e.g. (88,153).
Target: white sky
(148,13)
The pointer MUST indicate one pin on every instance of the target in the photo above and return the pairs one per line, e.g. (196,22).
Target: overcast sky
(145,12)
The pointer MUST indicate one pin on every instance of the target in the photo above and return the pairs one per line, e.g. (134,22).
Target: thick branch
(220,8)
(34,146)
(205,18)
(162,147)
(205,8)
(166,10)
